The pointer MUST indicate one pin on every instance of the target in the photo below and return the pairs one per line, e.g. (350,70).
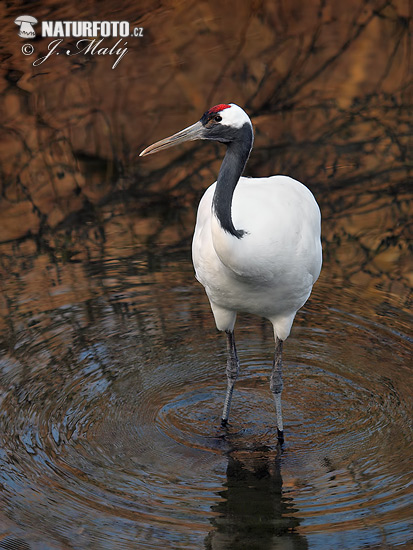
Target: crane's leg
(232,374)
(276,385)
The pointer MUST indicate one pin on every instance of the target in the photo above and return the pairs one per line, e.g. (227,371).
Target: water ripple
(116,428)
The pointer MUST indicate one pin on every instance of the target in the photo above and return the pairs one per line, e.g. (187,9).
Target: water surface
(113,379)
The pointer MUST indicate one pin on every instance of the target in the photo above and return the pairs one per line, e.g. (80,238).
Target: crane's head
(225,123)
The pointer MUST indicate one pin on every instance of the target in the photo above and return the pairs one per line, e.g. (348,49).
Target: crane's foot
(222,430)
(280,436)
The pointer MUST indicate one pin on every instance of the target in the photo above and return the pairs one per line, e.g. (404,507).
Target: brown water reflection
(111,400)
(111,373)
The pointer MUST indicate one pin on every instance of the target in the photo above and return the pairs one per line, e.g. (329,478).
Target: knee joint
(232,370)
(276,385)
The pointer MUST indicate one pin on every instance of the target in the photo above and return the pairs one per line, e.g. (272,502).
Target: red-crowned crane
(256,245)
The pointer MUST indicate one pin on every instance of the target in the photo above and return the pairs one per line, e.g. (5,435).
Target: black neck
(229,174)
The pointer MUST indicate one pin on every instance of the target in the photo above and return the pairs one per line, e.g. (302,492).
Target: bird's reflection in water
(254,513)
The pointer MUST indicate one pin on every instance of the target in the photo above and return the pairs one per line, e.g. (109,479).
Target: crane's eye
(218,118)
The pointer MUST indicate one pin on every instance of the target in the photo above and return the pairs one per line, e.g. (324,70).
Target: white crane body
(271,270)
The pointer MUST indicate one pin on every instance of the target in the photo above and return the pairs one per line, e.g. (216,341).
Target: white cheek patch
(234,117)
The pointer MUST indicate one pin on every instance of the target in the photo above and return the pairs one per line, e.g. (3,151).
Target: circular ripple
(130,432)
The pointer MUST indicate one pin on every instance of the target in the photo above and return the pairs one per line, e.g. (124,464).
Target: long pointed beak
(196,131)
